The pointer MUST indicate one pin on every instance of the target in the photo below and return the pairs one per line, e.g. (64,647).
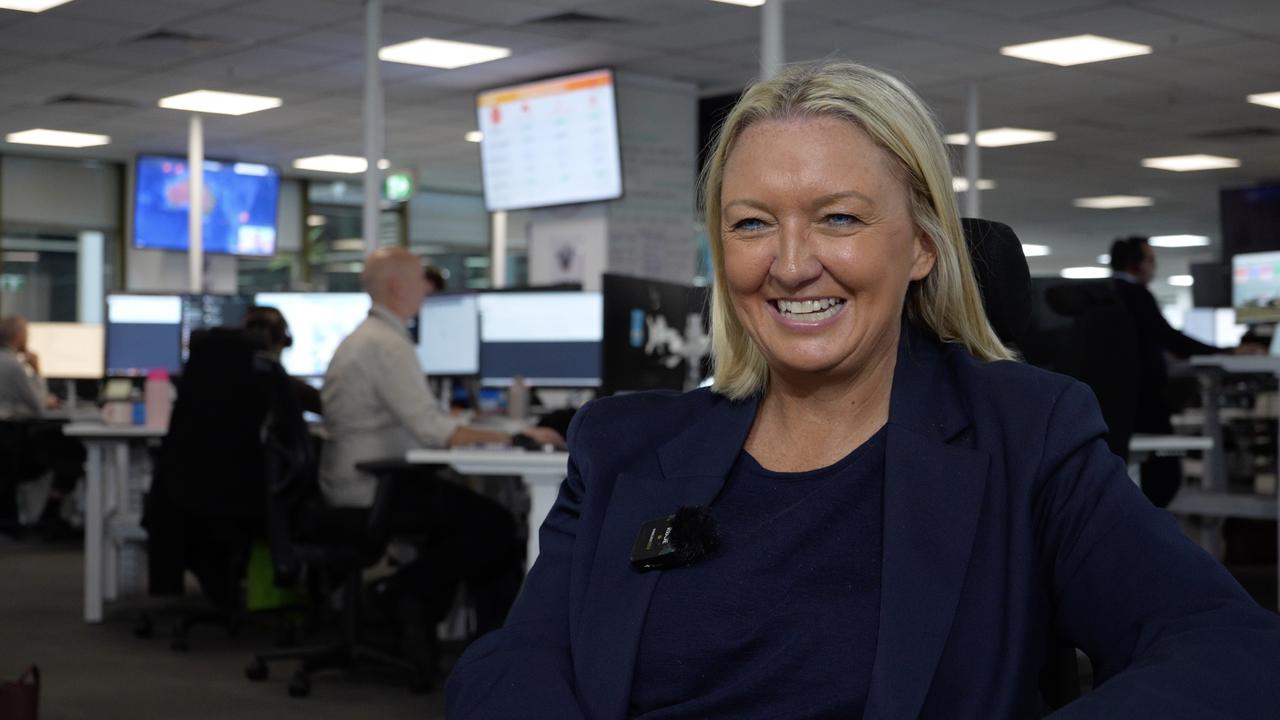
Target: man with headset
(269,329)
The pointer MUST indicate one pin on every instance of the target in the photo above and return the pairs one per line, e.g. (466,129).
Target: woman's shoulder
(1009,384)
(641,417)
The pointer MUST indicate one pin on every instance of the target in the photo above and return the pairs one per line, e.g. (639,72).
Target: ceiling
(1186,97)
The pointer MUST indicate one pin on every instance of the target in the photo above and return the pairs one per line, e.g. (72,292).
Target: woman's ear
(926,254)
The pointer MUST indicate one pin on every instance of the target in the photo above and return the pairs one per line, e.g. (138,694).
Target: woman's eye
(749,224)
(841,219)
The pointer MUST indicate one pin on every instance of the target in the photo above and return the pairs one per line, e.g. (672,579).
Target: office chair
(207,502)
(336,544)
(1005,283)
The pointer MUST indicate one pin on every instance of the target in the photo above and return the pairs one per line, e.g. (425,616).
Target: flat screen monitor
(200,312)
(647,324)
(239,205)
(1213,326)
(550,142)
(547,338)
(319,322)
(449,335)
(67,351)
(144,333)
(1255,287)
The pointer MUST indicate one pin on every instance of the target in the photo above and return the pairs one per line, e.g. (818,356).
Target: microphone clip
(683,538)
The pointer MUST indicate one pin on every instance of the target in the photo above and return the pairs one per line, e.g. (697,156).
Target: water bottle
(158,397)
(518,399)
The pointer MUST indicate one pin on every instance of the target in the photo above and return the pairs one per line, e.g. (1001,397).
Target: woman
(907,520)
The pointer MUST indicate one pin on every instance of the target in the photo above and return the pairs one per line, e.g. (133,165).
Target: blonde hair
(947,301)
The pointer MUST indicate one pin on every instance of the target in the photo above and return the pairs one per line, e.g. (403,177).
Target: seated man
(377,405)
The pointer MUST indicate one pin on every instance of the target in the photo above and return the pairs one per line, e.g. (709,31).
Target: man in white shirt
(377,405)
(22,390)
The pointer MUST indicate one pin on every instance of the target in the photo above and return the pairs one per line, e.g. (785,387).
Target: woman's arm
(525,670)
(1170,633)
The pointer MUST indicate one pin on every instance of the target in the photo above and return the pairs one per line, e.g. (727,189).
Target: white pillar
(498,249)
(772,52)
(972,199)
(195,213)
(90,276)
(373,122)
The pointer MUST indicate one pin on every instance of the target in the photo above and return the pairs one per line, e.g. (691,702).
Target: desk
(107,486)
(542,473)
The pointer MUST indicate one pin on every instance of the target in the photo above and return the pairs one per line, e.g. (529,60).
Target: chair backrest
(1003,277)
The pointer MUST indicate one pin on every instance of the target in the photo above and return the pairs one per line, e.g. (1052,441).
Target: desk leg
(118,489)
(542,495)
(93,526)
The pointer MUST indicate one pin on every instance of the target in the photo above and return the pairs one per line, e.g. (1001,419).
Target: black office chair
(207,502)
(331,545)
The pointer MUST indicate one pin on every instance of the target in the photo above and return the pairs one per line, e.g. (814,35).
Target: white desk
(542,473)
(107,486)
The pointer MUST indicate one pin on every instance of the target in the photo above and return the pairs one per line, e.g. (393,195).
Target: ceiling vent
(1240,134)
(575,19)
(177,42)
(89,101)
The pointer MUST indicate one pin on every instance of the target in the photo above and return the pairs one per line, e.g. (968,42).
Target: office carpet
(102,672)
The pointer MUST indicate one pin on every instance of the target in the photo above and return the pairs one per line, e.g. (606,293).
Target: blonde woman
(905,521)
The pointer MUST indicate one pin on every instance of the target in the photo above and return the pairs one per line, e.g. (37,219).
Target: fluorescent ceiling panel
(1181,280)
(1178,241)
(961,184)
(445,54)
(1035,250)
(34,6)
(349,164)
(1085,273)
(474,136)
(1004,137)
(1075,50)
(743,3)
(221,103)
(1111,202)
(1190,163)
(56,138)
(1271,99)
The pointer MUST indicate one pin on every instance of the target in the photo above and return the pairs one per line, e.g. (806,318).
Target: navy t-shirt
(782,621)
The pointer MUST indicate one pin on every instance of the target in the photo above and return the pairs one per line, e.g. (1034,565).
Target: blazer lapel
(690,469)
(933,490)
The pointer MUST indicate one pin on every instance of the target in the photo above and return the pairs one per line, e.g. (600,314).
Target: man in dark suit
(1133,263)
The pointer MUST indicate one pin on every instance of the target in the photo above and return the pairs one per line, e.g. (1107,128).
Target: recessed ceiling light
(446,54)
(1181,280)
(1111,202)
(1085,273)
(222,103)
(31,5)
(332,163)
(961,184)
(1104,259)
(1003,137)
(1178,241)
(384,164)
(743,3)
(1271,99)
(1188,163)
(316,220)
(56,138)
(1075,50)
(1035,250)
(474,136)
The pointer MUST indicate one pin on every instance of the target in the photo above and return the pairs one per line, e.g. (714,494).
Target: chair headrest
(1002,274)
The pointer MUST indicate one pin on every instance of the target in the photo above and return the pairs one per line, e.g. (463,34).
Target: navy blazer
(1007,522)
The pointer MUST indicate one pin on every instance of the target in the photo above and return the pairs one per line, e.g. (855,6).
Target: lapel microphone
(678,540)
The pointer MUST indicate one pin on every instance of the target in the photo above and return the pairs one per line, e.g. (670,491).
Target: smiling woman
(873,513)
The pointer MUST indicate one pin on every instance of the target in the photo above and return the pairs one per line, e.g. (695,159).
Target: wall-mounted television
(550,142)
(1255,287)
(239,204)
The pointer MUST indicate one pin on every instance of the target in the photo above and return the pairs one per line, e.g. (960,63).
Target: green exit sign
(399,186)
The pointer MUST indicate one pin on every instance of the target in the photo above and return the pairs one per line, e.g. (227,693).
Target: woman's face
(819,244)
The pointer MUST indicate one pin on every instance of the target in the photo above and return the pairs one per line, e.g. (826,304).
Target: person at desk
(23,393)
(378,406)
(1133,265)
(873,512)
(268,327)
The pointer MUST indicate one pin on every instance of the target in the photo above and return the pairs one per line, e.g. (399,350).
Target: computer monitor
(319,322)
(143,333)
(647,324)
(239,203)
(449,334)
(200,312)
(549,338)
(67,351)
(1255,287)
(1213,326)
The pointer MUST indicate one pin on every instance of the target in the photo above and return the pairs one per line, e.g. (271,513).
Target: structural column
(195,210)
(772,52)
(373,123)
